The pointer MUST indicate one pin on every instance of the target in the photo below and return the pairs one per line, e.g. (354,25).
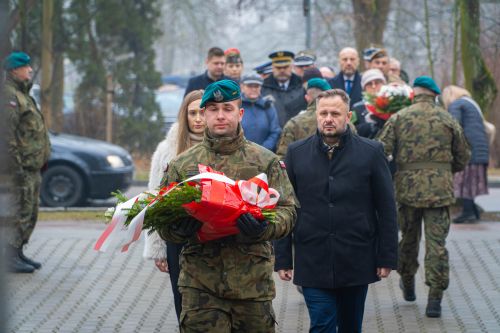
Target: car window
(170,102)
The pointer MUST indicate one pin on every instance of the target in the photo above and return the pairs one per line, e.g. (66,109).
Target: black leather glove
(186,227)
(250,226)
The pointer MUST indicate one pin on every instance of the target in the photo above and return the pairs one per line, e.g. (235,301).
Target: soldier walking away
(304,124)
(428,146)
(227,284)
(29,147)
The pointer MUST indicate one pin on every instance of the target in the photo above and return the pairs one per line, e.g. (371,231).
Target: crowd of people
(349,178)
(342,160)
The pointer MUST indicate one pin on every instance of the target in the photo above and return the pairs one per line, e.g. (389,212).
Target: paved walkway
(79,290)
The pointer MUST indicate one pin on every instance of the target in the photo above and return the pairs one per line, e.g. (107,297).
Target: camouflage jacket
(28,138)
(235,267)
(299,127)
(428,145)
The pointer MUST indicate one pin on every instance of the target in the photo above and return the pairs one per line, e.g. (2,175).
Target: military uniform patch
(13,104)
(282,164)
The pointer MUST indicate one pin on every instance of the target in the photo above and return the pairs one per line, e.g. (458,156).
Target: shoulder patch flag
(282,164)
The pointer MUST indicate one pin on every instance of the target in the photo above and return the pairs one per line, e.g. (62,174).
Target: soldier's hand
(383,272)
(186,227)
(250,226)
(285,274)
(162,265)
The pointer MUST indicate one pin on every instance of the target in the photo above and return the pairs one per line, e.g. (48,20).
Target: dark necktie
(283,87)
(348,86)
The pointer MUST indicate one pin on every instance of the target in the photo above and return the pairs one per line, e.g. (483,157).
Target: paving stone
(79,290)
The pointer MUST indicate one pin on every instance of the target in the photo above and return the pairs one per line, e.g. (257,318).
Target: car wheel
(62,186)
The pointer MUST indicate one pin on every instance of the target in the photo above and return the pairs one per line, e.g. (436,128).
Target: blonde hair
(183,139)
(452,93)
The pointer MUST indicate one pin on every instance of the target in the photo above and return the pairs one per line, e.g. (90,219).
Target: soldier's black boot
(29,261)
(468,214)
(433,309)
(15,264)
(407,285)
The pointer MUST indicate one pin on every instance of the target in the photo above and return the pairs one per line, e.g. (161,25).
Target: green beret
(428,83)
(16,60)
(321,84)
(220,92)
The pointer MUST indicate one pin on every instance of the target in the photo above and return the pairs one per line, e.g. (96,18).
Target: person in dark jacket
(368,124)
(346,235)
(215,63)
(284,87)
(348,79)
(260,120)
(473,180)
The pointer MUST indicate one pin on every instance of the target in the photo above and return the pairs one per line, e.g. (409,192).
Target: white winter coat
(155,247)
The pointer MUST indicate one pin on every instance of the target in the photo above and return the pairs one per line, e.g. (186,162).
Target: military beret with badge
(220,92)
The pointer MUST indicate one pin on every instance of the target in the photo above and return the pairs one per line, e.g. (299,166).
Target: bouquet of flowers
(390,99)
(216,201)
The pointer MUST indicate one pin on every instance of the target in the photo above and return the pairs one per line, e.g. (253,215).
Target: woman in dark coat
(472,181)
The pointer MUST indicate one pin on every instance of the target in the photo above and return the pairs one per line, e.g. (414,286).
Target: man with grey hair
(348,78)
(346,235)
(394,67)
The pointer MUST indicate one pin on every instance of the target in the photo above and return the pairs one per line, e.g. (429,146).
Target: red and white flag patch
(282,164)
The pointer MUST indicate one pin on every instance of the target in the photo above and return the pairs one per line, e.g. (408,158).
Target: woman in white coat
(185,133)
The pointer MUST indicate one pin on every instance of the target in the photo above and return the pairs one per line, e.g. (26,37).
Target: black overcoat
(288,102)
(346,225)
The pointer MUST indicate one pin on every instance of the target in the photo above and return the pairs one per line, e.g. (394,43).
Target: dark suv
(81,168)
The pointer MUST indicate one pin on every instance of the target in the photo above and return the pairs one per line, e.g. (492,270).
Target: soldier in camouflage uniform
(29,148)
(428,145)
(304,124)
(227,284)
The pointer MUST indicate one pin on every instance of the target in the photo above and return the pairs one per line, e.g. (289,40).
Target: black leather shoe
(29,261)
(465,218)
(16,265)
(433,309)
(408,289)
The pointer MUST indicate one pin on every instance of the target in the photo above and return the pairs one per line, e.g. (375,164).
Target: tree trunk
(57,92)
(456,16)
(428,38)
(48,6)
(370,18)
(57,86)
(478,78)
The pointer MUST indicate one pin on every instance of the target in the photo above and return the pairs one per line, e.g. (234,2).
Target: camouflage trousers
(436,227)
(27,197)
(205,313)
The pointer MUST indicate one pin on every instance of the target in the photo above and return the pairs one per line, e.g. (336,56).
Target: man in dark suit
(348,78)
(345,236)
(215,71)
(285,87)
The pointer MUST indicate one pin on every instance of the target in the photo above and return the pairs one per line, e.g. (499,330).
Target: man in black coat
(284,87)
(346,235)
(348,78)
(215,71)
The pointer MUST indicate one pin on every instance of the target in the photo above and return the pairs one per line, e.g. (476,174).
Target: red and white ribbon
(249,190)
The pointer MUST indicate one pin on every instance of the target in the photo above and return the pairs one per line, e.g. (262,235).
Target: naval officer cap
(281,58)
(304,58)
(220,92)
(265,68)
